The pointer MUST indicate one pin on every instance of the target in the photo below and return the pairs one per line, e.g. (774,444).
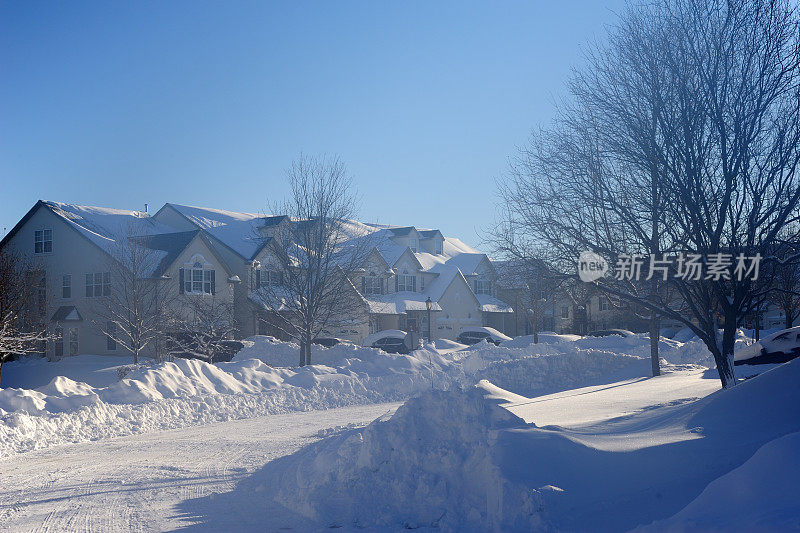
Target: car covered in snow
(474,334)
(610,332)
(778,347)
(393,341)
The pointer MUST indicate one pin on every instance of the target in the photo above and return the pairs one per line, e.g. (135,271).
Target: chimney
(145,209)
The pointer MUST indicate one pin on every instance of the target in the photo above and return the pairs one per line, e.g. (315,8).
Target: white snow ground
(592,444)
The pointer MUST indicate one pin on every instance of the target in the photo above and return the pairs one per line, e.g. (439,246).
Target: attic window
(43,241)
(412,243)
(438,245)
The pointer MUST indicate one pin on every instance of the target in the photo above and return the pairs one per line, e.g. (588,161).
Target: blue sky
(206,103)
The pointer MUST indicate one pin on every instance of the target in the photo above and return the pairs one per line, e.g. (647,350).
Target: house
(76,249)
(223,255)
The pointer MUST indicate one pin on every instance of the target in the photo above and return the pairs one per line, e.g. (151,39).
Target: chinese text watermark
(685,266)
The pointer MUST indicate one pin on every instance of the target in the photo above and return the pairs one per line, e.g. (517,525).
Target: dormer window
(413,244)
(438,247)
(198,277)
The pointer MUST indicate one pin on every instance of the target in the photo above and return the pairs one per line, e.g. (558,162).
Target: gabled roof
(402,231)
(170,243)
(430,233)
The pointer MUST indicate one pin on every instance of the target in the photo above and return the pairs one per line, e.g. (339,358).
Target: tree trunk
(535,325)
(723,356)
(654,338)
(302,353)
(308,353)
(788,314)
(1,372)
(758,322)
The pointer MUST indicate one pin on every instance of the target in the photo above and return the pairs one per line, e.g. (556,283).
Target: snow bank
(278,353)
(457,461)
(345,373)
(429,465)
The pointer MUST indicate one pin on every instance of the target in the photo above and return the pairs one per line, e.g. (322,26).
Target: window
(58,346)
(198,279)
(421,283)
(412,243)
(564,312)
(73,341)
(111,329)
(604,306)
(270,276)
(66,286)
(98,284)
(406,282)
(483,286)
(43,241)
(372,284)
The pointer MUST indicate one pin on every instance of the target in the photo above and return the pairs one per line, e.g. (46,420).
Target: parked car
(474,335)
(327,342)
(609,332)
(779,347)
(393,341)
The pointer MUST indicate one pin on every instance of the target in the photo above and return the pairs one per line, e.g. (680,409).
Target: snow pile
(429,465)
(347,374)
(457,460)
(279,353)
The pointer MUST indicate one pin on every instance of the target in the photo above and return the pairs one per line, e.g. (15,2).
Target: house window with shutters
(198,277)
(406,282)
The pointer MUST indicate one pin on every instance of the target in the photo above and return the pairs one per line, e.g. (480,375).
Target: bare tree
(22,322)
(682,138)
(308,287)
(130,301)
(200,326)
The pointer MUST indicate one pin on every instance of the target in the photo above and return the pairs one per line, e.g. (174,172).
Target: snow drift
(457,460)
(62,410)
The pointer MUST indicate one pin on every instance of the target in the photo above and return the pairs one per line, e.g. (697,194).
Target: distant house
(211,253)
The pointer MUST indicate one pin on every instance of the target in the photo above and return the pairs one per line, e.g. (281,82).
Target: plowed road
(163,481)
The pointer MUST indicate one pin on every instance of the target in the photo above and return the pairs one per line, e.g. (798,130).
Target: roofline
(22,221)
(42,203)
(408,250)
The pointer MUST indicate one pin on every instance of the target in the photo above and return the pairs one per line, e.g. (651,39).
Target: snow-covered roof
(399,302)
(237,231)
(104,226)
(490,304)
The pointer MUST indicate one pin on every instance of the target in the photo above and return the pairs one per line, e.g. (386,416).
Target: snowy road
(164,480)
